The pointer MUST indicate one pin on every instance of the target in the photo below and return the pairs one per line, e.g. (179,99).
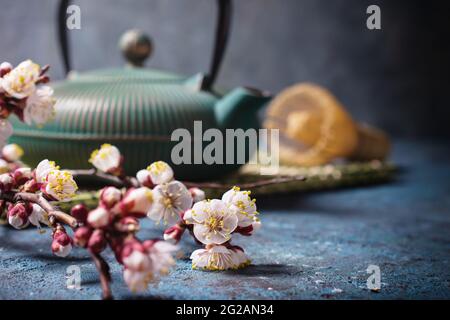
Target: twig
(248,185)
(43,203)
(105,276)
(108,179)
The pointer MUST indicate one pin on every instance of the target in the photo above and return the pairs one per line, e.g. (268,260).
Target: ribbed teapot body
(137,113)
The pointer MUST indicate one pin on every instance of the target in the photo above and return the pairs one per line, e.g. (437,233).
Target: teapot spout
(239,108)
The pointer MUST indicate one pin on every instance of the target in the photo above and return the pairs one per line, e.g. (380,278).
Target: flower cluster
(21,214)
(22,92)
(26,196)
(55,184)
(211,222)
(22,188)
(114,222)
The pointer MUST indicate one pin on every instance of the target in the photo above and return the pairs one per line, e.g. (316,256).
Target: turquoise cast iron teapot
(137,109)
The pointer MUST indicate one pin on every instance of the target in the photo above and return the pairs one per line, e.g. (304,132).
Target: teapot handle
(220,42)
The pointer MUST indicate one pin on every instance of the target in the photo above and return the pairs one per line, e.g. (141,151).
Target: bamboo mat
(316,179)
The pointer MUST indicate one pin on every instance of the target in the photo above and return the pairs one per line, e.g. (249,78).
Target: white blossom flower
(137,201)
(138,261)
(243,204)
(161,255)
(240,257)
(170,201)
(214,221)
(160,172)
(106,159)
(12,152)
(137,281)
(38,216)
(218,258)
(144,265)
(20,82)
(60,185)
(138,271)
(40,107)
(43,169)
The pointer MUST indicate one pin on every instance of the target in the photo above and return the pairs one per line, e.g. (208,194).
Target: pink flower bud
(97,241)
(79,212)
(5,68)
(99,218)
(31,186)
(128,247)
(81,236)
(38,216)
(173,234)
(18,214)
(61,244)
(22,175)
(197,194)
(110,196)
(137,202)
(43,80)
(144,178)
(6,181)
(245,231)
(186,217)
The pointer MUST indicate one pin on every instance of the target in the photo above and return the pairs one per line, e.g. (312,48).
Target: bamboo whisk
(316,129)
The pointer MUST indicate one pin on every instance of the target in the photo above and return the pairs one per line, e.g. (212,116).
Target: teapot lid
(136,47)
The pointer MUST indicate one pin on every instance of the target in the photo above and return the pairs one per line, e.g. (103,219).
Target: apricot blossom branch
(28,196)
(52,212)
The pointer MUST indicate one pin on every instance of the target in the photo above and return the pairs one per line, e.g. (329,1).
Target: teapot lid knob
(136,47)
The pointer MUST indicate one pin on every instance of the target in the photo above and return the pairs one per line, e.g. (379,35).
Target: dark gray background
(396,78)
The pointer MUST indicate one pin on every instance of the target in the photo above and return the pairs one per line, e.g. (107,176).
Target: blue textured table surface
(312,246)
